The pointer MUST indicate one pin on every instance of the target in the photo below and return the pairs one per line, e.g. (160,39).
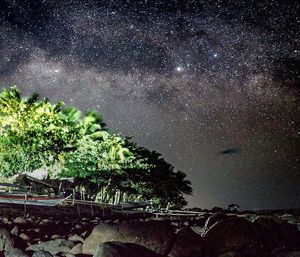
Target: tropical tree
(100,164)
(92,123)
(35,133)
(162,183)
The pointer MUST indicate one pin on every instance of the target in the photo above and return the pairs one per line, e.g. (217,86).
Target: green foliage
(35,133)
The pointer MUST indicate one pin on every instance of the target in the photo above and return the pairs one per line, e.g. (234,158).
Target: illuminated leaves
(36,133)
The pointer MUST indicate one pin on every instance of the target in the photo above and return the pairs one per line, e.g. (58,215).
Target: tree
(100,165)
(33,132)
(92,123)
(162,183)
(36,133)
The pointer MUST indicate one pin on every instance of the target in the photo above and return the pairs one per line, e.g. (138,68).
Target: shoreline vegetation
(109,168)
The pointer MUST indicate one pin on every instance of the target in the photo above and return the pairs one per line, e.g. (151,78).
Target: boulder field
(221,235)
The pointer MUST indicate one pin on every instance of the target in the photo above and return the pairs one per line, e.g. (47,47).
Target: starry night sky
(212,85)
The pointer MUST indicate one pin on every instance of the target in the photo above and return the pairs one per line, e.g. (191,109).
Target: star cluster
(189,79)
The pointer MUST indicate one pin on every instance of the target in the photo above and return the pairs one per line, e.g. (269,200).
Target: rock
(30,220)
(5,240)
(77,249)
(279,233)
(41,254)
(233,235)
(84,234)
(46,221)
(14,231)
(24,237)
(37,230)
(286,216)
(55,236)
(76,238)
(198,230)
(53,246)
(156,236)
(19,220)
(248,216)
(292,254)
(14,252)
(5,220)
(78,226)
(281,253)
(116,249)
(230,254)
(199,221)
(69,255)
(214,219)
(270,231)
(187,244)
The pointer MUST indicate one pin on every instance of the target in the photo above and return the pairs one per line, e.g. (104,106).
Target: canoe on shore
(31,200)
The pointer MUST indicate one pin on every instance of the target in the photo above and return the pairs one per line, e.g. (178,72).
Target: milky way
(212,86)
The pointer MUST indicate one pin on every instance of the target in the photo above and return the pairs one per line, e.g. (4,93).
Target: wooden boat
(31,200)
(20,195)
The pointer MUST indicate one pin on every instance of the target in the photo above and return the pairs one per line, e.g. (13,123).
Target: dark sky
(212,85)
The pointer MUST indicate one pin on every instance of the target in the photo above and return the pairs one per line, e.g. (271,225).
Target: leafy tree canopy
(36,133)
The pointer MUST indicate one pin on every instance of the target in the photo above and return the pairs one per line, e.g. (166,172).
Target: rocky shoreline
(210,235)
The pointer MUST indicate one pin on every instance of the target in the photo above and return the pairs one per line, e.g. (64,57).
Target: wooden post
(59,188)
(73,196)
(92,210)
(25,203)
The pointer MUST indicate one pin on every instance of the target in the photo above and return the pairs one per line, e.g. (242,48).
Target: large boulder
(41,254)
(77,249)
(187,244)
(155,235)
(278,233)
(213,219)
(53,246)
(76,238)
(117,249)
(233,235)
(14,252)
(5,240)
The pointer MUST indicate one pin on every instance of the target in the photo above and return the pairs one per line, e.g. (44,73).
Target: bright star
(179,69)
